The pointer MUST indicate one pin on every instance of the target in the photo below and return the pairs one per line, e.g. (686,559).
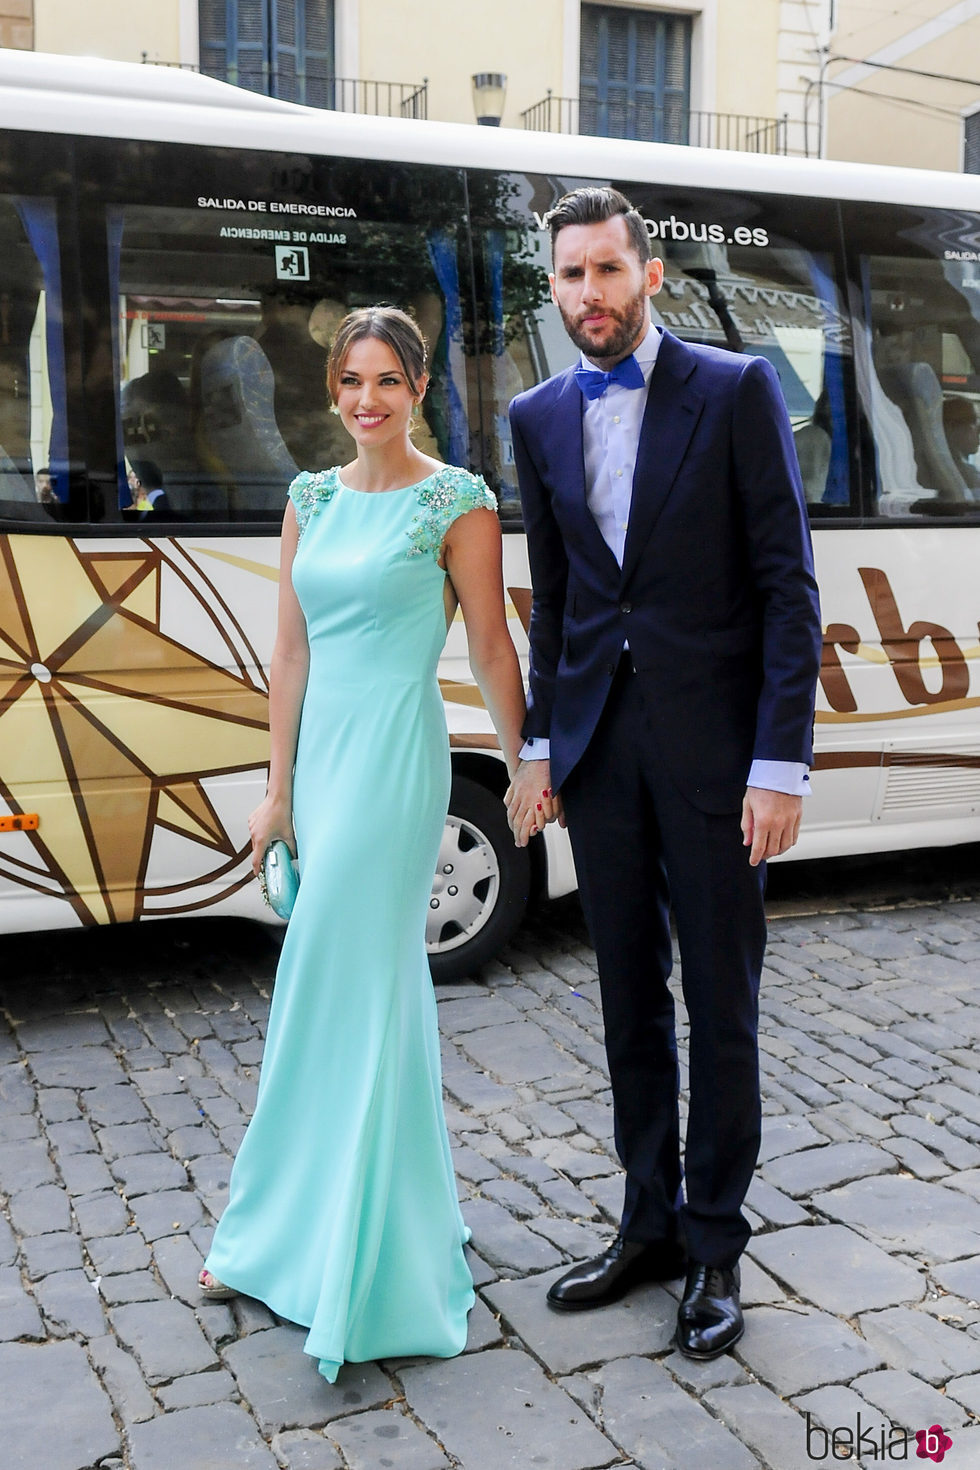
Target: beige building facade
(740,64)
(120,30)
(902,83)
(848,79)
(17,24)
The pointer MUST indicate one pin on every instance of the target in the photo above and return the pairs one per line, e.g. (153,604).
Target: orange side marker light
(22,822)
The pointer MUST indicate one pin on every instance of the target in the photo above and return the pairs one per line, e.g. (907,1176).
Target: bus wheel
(481,884)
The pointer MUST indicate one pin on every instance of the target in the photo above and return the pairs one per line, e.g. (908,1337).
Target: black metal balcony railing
(337,94)
(734,130)
(738,132)
(552,115)
(378,99)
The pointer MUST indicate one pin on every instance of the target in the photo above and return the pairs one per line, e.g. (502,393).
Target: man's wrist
(792,778)
(536,748)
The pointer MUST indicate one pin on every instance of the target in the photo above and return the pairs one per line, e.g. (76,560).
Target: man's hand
(531,802)
(770,822)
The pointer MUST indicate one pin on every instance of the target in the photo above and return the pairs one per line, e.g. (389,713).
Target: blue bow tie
(593,382)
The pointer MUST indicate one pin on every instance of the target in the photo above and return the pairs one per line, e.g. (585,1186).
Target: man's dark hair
(591,206)
(147,471)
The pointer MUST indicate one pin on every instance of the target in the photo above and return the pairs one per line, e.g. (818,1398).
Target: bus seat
(239,425)
(915,388)
(813,452)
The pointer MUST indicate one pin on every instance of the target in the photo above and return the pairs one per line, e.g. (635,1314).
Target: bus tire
(481,884)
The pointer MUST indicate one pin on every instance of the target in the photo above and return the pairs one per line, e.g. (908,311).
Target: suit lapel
(567,425)
(672,411)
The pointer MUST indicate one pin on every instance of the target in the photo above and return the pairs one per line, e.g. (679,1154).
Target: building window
(971,143)
(635,74)
(283,48)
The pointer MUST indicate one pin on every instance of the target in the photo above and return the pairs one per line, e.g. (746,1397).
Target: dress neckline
(398,490)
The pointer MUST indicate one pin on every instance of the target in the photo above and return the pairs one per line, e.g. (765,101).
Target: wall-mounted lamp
(489,91)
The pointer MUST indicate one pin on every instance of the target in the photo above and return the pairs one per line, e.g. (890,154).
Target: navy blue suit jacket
(716,595)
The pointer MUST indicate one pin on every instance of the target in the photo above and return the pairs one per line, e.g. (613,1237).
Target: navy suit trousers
(641,849)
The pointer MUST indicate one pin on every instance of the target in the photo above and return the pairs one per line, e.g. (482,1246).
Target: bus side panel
(135,724)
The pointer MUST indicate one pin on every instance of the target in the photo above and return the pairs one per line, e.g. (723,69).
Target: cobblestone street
(128,1067)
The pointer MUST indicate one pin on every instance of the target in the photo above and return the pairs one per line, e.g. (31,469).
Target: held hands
(770,822)
(531,802)
(272,821)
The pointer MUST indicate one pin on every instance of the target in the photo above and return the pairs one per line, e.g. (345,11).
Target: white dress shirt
(610,440)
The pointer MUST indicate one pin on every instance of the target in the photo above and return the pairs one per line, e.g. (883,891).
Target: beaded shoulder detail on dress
(309,491)
(443,498)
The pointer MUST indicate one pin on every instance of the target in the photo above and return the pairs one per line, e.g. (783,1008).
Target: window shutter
(283,48)
(677,79)
(317,56)
(213,32)
(589,68)
(251,36)
(618,58)
(971,144)
(634,74)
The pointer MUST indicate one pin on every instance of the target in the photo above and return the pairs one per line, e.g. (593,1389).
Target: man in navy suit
(675,643)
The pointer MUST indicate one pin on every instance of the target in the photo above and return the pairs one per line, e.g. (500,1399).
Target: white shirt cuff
(791,777)
(538,748)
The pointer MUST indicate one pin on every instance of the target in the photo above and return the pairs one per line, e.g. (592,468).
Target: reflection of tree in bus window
(430,433)
(325,318)
(337,446)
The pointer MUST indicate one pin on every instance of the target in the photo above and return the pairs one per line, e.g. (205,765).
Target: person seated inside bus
(156,423)
(149,497)
(962,432)
(44,488)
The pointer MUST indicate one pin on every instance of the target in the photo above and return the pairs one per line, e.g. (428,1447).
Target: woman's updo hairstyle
(389,325)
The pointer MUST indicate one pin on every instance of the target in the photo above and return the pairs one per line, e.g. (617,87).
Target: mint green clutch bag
(279,879)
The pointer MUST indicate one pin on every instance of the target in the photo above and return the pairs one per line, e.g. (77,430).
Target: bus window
(224,309)
(221,366)
(750,276)
(521,340)
(33,423)
(920,284)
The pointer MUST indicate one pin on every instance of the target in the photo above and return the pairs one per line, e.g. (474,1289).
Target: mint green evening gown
(343,1213)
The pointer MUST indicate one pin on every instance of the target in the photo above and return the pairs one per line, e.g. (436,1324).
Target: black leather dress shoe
(609,1276)
(709,1318)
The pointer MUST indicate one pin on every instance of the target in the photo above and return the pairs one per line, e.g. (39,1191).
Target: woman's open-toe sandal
(213,1289)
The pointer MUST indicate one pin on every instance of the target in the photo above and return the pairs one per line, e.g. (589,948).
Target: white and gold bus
(174,256)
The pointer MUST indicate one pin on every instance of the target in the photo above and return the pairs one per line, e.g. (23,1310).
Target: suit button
(610,669)
(626,607)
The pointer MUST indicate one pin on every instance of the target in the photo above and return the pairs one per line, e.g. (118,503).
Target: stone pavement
(128,1065)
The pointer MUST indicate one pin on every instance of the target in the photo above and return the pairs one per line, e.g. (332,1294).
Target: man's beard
(630,327)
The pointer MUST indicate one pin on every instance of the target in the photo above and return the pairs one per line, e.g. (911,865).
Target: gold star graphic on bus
(109,727)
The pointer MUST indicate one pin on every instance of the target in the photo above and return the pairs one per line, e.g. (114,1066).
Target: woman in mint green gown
(343,1213)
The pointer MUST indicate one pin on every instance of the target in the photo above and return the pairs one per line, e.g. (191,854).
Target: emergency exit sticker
(292,263)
